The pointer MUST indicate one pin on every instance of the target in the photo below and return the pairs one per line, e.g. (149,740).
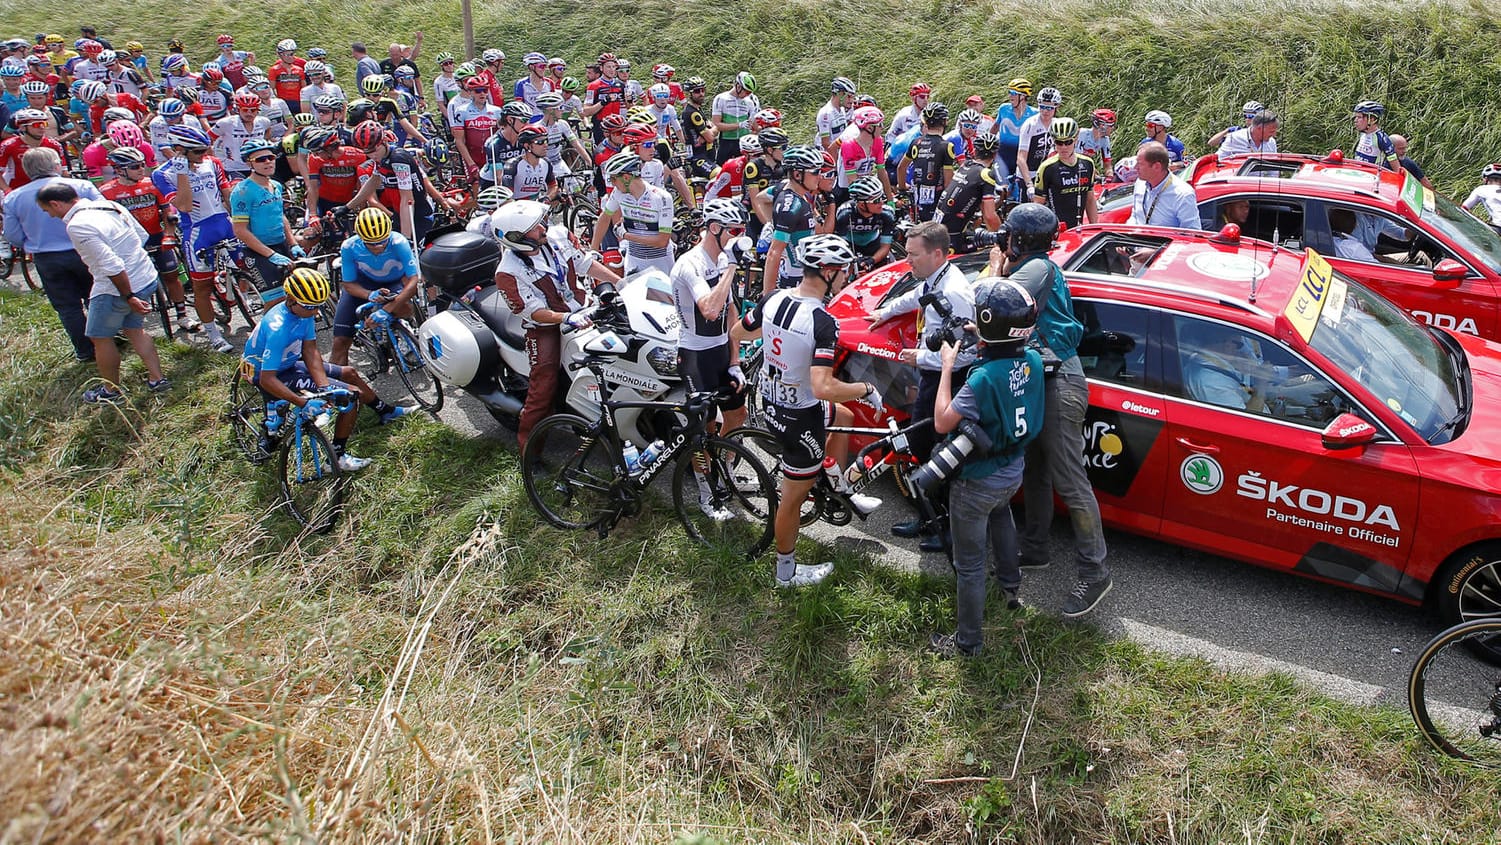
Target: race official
(1161,198)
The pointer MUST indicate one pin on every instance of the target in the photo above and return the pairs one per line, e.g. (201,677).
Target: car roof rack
(1186,291)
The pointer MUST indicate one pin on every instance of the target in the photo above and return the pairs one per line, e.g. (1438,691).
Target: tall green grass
(1434,64)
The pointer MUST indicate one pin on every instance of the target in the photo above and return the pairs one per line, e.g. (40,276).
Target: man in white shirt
(110,241)
(1259,137)
(1161,198)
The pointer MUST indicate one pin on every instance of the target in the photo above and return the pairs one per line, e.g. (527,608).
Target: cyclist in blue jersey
(255,210)
(374,261)
(1008,124)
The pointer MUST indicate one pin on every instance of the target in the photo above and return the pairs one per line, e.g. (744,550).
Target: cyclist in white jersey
(642,213)
(529,175)
(232,132)
(1488,193)
(800,391)
(835,114)
(560,135)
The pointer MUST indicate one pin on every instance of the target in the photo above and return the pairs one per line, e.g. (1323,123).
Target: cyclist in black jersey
(929,161)
(760,173)
(1065,181)
(973,196)
(867,223)
(795,215)
(701,132)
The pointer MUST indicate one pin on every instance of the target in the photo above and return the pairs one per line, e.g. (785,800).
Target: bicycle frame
(691,435)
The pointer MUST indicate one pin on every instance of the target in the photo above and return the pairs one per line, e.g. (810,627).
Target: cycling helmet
(746,81)
(12,71)
(443,58)
(405,72)
(612,123)
(1050,97)
(624,163)
(516,108)
(842,85)
(751,145)
(1103,117)
(255,145)
(474,83)
(557,62)
(1005,313)
(465,71)
(868,117)
(1250,109)
(303,119)
(89,47)
(638,135)
(1371,108)
(530,134)
(174,62)
(492,197)
(607,57)
(170,108)
(1032,228)
(549,100)
(91,90)
(188,137)
(935,114)
(125,156)
(531,59)
(372,225)
(373,85)
(329,102)
(75,86)
(212,73)
(106,57)
(135,46)
(312,69)
(1020,85)
(867,189)
(919,88)
(116,113)
(986,144)
(773,138)
(970,117)
(126,134)
(318,137)
(316,53)
(34,88)
(623,65)
(247,101)
(570,84)
(726,212)
(225,40)
(694,83)
(58,39)
(1125,169)
(1064,129)
(765,118)
(28,117)
(663,72)
(187,95)
(1161,118)
(1491,171)
(801,157)
(660,91)
(492,55)
(286,45)
(367,135)
(825,251)
(306,286)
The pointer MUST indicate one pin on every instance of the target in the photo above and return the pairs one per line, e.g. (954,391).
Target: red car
(1384,229)
(1254,402)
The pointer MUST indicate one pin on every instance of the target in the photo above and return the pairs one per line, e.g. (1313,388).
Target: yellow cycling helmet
(54,38)
(307,286)
(640,116)
(1021,86)
(372,225)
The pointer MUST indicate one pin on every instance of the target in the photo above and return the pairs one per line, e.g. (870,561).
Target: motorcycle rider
(538,275)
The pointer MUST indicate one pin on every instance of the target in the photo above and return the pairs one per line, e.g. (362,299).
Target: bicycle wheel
(725,497)
(412,370)
(312,485)
(766,449)
(163,309)
(569,471)
(368,356)
(32,282)
(1455,697)
(246,412)
(7,262)
(245,288)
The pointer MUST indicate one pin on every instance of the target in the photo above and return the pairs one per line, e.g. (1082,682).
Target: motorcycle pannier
(460,262)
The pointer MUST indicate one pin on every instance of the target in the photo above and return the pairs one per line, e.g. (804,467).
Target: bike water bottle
(831,472)
(653,451)
(632,457)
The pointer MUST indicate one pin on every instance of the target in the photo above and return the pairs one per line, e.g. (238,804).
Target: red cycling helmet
(367,135)
(640,134)
(613,123)
(225,40)
(1106,116)
(474,83)
(212,73)
(245,101)
(919,88)
(90,47)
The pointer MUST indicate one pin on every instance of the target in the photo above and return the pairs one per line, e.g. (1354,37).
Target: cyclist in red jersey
(474,119)
(494,63)
(613,128)
(133,189)
(332,169)
(287,74)
(605,96)
(726,179)
(32,124)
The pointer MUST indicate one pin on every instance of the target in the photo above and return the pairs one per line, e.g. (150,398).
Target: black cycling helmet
(935,114)
(1005,313)
(1032,228)
(987,144)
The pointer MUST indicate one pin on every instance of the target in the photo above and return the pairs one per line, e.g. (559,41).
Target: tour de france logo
(1201,474)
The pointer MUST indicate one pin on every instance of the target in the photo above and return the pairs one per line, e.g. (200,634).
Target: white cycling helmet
(1050,96)
(751,145)
(91,90)
(726,212)
(286,45)
(549,100)
(1125,169)
(1161,118)
(492,198)
(825,251)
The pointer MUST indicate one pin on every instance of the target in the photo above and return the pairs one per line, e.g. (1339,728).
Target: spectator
(65,278)
(1399,143)
(1342,225)
(1258,137)
(363,64)
(403,55)
(110,241)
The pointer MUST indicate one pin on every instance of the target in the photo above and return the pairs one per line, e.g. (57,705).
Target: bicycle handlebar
(890,436)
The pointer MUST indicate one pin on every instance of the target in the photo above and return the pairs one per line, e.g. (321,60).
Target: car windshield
(1473,237)
(1395,357)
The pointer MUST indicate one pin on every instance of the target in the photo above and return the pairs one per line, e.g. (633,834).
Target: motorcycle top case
(460,262)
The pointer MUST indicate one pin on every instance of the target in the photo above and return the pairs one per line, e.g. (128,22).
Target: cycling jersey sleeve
(825,338)
(664,213)
(349,261)
(405,177)
(1470,201)
(751,321)
(239,203)
(401,249)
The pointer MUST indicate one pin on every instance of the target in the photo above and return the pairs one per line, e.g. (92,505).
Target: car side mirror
(1449,273)
(1348,432)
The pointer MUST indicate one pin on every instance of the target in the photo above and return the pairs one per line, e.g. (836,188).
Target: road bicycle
(577,476)
(575,206)
(312,487)
(382,344)
(12,258)
(1455,696)
(233,283)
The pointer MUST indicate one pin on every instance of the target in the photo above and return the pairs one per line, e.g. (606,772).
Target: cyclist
(170,112)
(909,116)
(801,394)
(1035,141)
(867,223)
(557,71)
(1371,144)
(730,111)
(1487,193)
(663,73)
(391,108)
(473,118)
(134,191)
(255,209)
(502,146)
(283,361)
(274,109)
(761,172)
(1247,112)
(60,127)
(392,179)
(215,94)
(864,153)
(319,84)
(834,116)
(1158,124)
(535,82)
(664,115)
(973,196)
(288,74)
(1094,143)
(198,187)
(928,166)
(701,133)
(613,128)
(727,178)
(99,100)
(232,62)
(573,107)
(375,264)
(31,126)
(654,169)
(487,202)
(530,176)
(962,139)
(644,212)
(1009,120)
(1065,181)
(122,75)
(539,275)
(633,90)
(560,135)
(796,213)
(605,96)
(445,84)
(235,131)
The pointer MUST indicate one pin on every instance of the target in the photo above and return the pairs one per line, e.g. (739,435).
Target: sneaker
(349,463)
(219,344)
(161,385)
(1013,600)
(396,413)
(189,323)
(805,575)
(1033,563)
(101,395)
(1084,597)
(707,504)
(863,504)
(266,446)
(945,645)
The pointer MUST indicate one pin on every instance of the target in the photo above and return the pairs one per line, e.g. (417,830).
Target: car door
(1274,218)
(1122,429)
(1468,308)
(1249,476)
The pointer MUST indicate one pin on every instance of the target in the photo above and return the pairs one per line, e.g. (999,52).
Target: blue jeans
(1055,460)
(66,281)
(980,524)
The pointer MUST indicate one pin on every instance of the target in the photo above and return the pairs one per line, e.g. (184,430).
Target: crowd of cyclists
(215,150)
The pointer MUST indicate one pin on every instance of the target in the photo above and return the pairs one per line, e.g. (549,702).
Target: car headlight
(664,361)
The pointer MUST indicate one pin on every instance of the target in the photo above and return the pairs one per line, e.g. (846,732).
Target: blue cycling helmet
(171,107)
(255,145)
(436,151)
(188,136)
(12,71)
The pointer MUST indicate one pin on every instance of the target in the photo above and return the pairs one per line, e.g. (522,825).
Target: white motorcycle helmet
(512,221)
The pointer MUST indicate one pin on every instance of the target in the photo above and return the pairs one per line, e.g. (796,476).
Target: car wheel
(1469,587)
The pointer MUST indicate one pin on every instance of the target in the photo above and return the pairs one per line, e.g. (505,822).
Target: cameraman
(1003,396)
(1054,459)
(928,253)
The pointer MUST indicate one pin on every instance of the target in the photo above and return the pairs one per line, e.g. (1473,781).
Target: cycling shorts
(164,259)
(299,380)
(270,275)
(801,433)
(709,369)
(203,235)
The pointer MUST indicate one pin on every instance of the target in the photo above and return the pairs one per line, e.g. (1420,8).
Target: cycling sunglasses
(262,159)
